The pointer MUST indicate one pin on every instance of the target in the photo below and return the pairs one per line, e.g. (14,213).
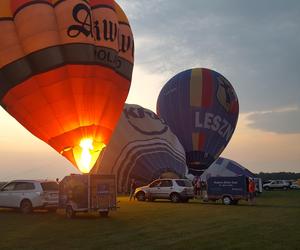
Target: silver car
(277,184)
(173,189)
(29,194)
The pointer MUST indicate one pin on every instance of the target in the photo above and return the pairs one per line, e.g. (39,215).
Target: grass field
(273,223)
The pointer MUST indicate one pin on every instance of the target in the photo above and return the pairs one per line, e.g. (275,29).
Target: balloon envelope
(142,148)
(201,108)
(65,71)
(223,167)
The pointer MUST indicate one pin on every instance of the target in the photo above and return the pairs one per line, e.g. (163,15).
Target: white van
(29,194)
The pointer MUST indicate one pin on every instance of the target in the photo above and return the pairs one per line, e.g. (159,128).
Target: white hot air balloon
(143,148)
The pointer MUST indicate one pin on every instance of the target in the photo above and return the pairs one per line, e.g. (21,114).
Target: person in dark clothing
(132,189)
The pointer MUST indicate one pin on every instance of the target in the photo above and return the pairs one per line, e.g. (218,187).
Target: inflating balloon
(223,167)
(142,148)
(65,71)
(201,108)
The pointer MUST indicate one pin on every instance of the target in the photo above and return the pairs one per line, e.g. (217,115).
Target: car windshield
(49,186)
(184,183)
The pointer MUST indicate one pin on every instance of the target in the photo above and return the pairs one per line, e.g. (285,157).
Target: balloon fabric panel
(65,78)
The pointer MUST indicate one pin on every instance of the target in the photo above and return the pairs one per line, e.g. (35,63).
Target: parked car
(277,184)
(175,190)
(295,186)
(29,194)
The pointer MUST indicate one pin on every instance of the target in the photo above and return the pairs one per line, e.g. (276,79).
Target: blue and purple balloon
(201,108)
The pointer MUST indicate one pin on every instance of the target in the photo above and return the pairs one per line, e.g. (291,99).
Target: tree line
(279,176)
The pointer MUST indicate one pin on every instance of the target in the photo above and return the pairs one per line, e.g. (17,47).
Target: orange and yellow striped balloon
(65,71)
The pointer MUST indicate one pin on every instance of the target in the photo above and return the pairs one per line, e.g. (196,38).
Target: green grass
(273,223)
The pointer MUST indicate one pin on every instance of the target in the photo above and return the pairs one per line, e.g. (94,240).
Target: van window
(24,186)
(49,186)
(9,187)
(166,183)
(155,183)
(184,183)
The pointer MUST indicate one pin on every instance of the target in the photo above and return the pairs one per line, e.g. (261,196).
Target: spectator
(198,187)
(132,189)
(251,190)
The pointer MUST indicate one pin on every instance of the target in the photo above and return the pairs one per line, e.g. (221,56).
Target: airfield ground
(273,223)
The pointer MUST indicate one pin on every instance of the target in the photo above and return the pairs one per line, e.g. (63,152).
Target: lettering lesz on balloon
(215,123)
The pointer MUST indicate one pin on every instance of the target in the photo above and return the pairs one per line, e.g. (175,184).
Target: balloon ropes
(201,108)
(142,148)
(65,71)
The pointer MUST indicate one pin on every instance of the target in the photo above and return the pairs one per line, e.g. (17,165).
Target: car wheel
(175,197)
(226,200)
(267,188)
(70,213)
(26,207)
(140,196)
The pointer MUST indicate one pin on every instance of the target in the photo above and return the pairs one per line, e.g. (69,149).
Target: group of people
(199,186)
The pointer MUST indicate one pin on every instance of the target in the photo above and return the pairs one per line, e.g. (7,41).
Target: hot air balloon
(65,71)
(223,167)
(143,148)
(201,108)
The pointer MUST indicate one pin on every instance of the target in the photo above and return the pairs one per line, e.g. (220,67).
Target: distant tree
(279,176)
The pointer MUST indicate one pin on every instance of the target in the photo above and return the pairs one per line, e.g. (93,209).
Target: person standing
(251,189)
(198,187)
(132,189)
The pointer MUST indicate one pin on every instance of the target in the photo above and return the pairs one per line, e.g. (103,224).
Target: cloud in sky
(282,121)
(255,44)
(261,150)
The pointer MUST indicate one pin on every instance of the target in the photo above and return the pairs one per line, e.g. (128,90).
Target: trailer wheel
(103,214)
(226,200)
(70,213)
